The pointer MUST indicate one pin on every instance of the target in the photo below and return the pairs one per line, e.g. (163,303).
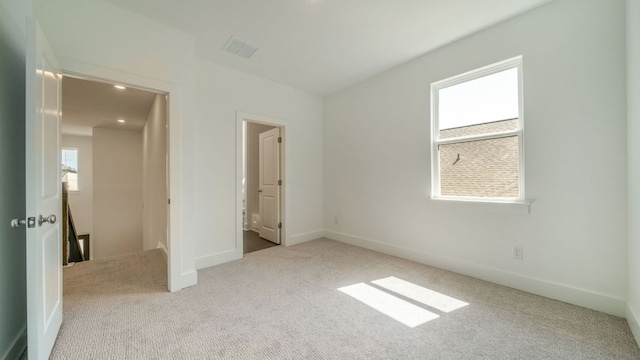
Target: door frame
(175,281)
(241,118)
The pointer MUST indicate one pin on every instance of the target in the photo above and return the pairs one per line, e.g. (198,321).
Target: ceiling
(323,46)
(320,46)
(87,104)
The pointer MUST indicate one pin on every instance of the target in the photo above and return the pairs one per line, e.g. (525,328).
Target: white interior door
(269,190)
(43,198)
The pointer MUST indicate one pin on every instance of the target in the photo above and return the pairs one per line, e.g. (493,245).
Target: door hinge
(279,182)
(279,225)
(169,201)
(279,139)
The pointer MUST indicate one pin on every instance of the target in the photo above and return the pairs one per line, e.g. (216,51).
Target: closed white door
(43,195)
(269,189)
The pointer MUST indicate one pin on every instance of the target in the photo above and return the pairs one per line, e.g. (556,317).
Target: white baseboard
(216,259)
(162,247)
(17,346)
(300,238)
(189,279)
(572,295)
(634,325)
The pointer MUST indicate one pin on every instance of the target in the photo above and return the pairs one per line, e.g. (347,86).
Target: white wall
(81,202)
(226,91)
(377,173)
(117,192)
(136,52)
(154,176)
(13,296)
(253,169)
(633,141)
(206,123)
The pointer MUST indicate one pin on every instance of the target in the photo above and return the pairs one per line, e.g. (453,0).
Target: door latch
(30,222)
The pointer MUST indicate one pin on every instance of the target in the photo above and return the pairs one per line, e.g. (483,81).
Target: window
(70,168)
(477,135)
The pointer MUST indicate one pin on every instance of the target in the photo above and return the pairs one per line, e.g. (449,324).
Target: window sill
(503,207)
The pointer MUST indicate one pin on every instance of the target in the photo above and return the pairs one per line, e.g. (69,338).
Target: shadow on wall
(13,297)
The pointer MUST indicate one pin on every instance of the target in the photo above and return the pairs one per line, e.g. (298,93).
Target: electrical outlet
(517,252)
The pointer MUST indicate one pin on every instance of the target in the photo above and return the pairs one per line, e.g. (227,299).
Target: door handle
(260,190)
(51,219)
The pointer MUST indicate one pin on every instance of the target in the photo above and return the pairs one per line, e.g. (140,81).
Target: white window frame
(515,62)
(78,168)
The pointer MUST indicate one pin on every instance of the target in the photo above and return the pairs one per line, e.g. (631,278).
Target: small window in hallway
(70,168)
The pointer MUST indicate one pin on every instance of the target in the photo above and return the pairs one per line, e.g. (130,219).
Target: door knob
(51,219)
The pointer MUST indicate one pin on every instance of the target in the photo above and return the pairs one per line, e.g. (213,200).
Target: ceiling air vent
(240,48)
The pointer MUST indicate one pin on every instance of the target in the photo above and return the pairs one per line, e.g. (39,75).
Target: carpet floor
(284,303)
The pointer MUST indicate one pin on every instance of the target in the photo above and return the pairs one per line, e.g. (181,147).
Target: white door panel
(269,175)
(43,195)
(50,256)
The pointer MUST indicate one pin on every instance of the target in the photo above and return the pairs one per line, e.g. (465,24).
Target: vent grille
(240,48)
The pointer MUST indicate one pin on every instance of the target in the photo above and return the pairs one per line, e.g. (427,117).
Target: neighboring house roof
(484,168)
(68,169)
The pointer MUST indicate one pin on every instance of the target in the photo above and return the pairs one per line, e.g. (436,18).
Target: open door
(269,182)
(43,195)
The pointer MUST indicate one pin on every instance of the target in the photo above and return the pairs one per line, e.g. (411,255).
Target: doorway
(114,145)
(261,225)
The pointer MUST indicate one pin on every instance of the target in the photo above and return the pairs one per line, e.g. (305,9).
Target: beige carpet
(283,303)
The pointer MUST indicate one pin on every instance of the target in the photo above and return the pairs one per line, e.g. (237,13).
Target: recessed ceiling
(320,45)
(88,104)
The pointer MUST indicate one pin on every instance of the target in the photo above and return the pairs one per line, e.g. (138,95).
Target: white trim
(175,264)
(553,290)
(515,62)
(489,136)
(216,259)
(634,325)
(162,247)
(189,279)
(479,72)
(17,346)
(472,204)
(301,238)
(241,117)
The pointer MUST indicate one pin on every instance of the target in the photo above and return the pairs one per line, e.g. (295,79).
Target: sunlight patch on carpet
(421,294)
(392,306)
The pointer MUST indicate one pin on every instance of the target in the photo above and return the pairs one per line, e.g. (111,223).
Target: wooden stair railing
(70,242)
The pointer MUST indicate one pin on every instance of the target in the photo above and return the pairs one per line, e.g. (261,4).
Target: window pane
(70,168)
(483,168)
(488,99)
(72,179)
